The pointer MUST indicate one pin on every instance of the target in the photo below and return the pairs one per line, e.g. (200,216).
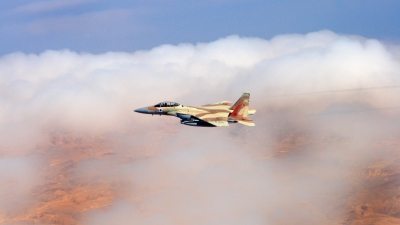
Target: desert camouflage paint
(210,115)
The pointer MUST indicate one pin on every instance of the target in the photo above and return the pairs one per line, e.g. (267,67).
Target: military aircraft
(211,115)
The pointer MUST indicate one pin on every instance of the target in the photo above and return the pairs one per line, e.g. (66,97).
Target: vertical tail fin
(240,110)
(241,106)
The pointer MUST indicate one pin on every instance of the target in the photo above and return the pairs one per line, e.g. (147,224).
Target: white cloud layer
(210,176)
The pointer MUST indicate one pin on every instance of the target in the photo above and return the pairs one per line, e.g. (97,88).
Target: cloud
(106,164)
(45,6)
(113,19)
(17,177)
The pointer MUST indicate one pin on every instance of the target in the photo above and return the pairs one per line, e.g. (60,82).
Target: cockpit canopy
(167,104)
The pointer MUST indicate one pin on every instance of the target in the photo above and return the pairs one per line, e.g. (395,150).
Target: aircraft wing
(213,120)
(219,123)
(207,116)
(216,118)
(219,105)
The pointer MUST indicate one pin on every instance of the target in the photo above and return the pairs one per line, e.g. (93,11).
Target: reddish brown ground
(62,199)
(375,195)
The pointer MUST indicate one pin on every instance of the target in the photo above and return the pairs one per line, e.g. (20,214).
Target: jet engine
(231,121)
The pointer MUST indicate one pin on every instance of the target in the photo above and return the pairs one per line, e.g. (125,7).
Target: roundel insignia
(160,109)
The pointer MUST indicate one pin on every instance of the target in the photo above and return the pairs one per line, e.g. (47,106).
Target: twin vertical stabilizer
(240,110)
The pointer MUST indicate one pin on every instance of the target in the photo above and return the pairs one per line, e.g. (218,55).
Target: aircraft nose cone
(141,110)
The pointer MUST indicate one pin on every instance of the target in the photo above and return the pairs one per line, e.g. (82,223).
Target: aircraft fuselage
(211,115)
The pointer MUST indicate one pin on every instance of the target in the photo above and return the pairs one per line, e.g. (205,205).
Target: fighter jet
(211,115)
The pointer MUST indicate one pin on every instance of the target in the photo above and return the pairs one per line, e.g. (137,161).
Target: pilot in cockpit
(167,104)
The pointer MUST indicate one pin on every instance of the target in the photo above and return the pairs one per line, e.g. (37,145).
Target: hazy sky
(96,26)
(72,151)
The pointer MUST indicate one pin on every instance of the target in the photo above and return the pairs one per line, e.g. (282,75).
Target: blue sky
(103,25)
